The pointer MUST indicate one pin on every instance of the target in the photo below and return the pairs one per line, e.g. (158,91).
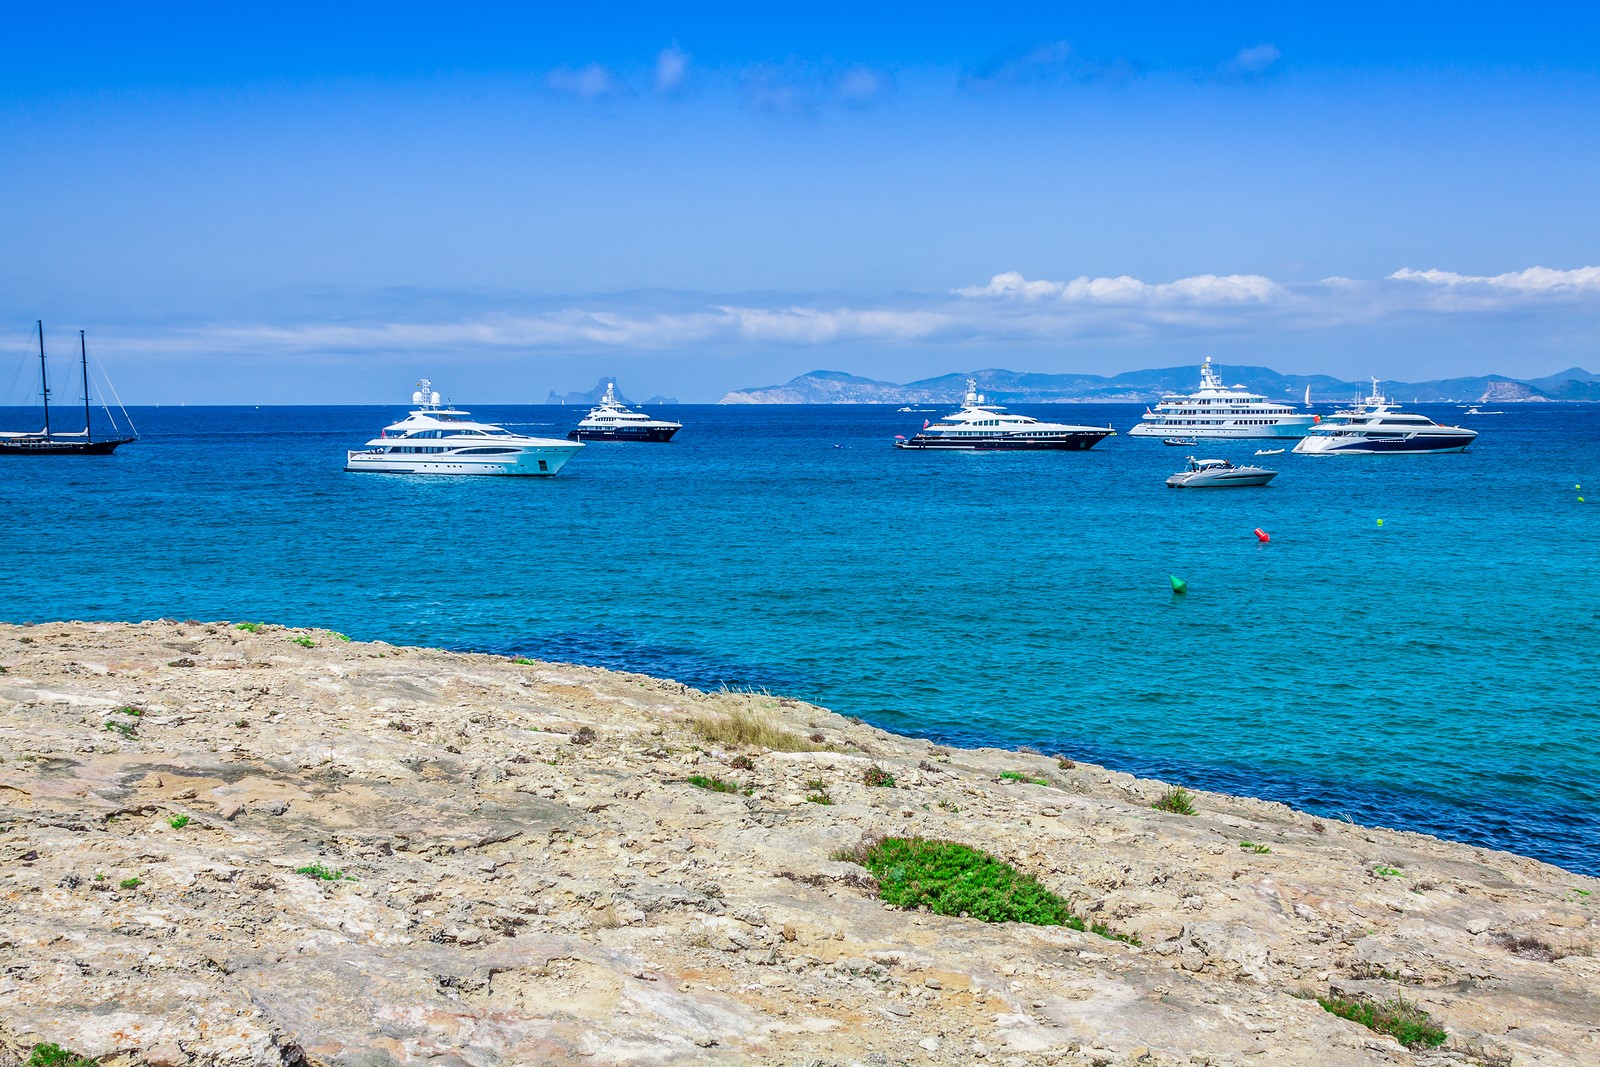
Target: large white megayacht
(984,427)
(1218,410)
(439,439)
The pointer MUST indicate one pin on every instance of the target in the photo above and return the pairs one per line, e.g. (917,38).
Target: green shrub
(818,792)
(523,661)
(1388,872)
(1018,776)
(50,1054)
(303,641)
(336,635)
(716,785)
(878,777)
(135,712)
(317,870)
(955,879)
(1177,800)
(131,883)
(123,728)
(178,822)
(1251,846)
(1406,1023)
(249,627)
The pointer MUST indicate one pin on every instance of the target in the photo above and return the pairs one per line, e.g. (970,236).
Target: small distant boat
(916,409)
(1474,411)
(1180,442)
(1269,451)
(1218,474)
(49,442)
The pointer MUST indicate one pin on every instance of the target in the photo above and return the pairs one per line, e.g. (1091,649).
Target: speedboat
(611,421)
(1218,410)
(1376,426)
(439,439)
(1475,411)
(1218,474)
(1180,442)
(981,426)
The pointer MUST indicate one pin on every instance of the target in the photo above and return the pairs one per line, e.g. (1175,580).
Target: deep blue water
(1436,673)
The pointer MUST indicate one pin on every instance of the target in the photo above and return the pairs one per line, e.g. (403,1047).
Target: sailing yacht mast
(44,381)
(83,350)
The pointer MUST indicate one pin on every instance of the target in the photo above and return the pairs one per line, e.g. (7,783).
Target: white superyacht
(985,427)
(1377,426)
(439,439)
(611,421)
(1218,410)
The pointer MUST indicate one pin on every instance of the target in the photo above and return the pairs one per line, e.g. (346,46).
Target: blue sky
(286,205)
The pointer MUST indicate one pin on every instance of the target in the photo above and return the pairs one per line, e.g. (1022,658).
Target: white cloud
(861,86)
(1199,289)
(1256,59)
(1532,280)
(587,82)
(672,67)
(1010,308)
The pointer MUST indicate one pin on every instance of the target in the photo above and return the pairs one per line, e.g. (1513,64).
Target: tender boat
(53,442)
(980,426)
(1269,451)
(1218,474)
(1180,442)
(611,421)
(1475,411)
(1376,426)
(439,439)
(1217,410)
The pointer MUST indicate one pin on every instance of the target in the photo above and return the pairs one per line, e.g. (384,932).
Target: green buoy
(1178,584)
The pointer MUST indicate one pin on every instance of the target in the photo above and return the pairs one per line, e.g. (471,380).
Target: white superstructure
(1218,410)
(1376,426)
(438,439)
(981,426)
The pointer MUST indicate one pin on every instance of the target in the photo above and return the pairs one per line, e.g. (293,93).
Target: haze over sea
(1435,672)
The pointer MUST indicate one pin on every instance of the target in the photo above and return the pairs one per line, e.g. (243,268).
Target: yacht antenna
(44,380)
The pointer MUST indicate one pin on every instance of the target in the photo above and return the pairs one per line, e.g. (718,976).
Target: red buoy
(1262,535)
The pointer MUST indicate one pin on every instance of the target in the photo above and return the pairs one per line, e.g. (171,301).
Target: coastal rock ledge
(260,845)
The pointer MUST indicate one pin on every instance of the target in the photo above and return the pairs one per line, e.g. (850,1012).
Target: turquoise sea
(1436,672)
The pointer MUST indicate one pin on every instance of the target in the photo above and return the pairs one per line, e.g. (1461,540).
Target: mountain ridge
(1148,386)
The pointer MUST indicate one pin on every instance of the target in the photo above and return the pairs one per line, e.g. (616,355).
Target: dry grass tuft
(750,728)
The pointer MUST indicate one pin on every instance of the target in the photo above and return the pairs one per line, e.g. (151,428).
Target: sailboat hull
(55,446)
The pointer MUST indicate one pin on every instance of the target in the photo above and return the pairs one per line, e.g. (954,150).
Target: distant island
(1149,386)
(592,396)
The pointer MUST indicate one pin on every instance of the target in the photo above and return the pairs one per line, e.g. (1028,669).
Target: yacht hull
(47,446)
(1074,442)
(1421,445)
(1277,431)
(532,463)
(1220,480)
(657,434)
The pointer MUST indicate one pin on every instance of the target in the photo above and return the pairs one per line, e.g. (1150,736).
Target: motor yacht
(1376,426)
(439,439)
(981,426)
(1218,410)
(1218,474)
(611,421)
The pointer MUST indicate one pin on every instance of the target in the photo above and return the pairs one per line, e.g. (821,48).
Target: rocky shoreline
(261,845)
